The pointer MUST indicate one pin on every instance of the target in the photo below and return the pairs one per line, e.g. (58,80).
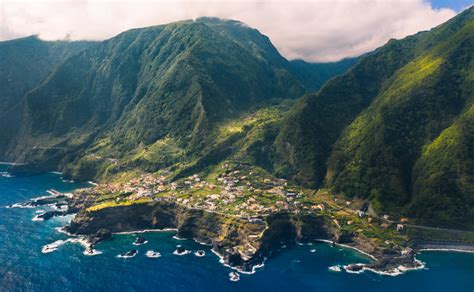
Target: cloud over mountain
(314,30)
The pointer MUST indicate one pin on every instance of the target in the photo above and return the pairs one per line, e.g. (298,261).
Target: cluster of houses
(146,185)
(236,190)
(386,223)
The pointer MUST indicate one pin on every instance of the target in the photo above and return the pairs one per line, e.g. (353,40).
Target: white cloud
(314,30)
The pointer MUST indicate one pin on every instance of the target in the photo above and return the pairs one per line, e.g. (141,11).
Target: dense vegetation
(27,61)
(152,97)
(314,75)
(395,129)
(24,64)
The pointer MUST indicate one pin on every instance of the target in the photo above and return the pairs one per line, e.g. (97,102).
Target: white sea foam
(185,252)
(91,252)
(53,246)
(153,254)
(254,268)
(336,268)
(62,229)
(348,270)
(21,206)
(92,183)
(200,253)
(51,195)
(234,277)
(88,250)
(146,230)
(56,172)
(178,238)
(348,246)
(82,241)
(313,250)
(420,266)
(447,249)
(202,243)
(392,272)
(126,256)
(145,242)
(307,243)
(61,207)
(65,219)
(37,218)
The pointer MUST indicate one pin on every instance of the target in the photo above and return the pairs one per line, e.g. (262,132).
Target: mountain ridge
(186,96)
(147,84)
(375,143)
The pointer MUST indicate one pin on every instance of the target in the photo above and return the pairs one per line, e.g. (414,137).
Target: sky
(453,4)
(313,30)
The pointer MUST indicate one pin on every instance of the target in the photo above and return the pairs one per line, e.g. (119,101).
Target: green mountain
(163,89)
(314,75)
(396,129)
(24,64)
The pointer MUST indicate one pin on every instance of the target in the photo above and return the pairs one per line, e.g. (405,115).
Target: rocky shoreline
(241,243)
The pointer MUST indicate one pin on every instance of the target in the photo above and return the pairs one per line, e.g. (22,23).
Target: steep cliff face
(242,243)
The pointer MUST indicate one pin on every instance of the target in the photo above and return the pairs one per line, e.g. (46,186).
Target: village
(234,190)
(245,191)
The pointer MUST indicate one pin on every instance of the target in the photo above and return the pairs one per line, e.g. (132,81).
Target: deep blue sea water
(23,267)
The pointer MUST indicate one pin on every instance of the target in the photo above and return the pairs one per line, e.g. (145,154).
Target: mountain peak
(220,21)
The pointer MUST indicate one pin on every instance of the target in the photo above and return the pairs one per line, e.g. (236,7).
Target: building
(256,220)
(290,194)
(361,213)
(319,207)
(407,251)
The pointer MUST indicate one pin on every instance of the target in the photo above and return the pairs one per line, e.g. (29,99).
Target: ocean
(23,266)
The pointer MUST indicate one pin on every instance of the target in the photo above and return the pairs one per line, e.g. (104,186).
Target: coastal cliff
(242,243)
